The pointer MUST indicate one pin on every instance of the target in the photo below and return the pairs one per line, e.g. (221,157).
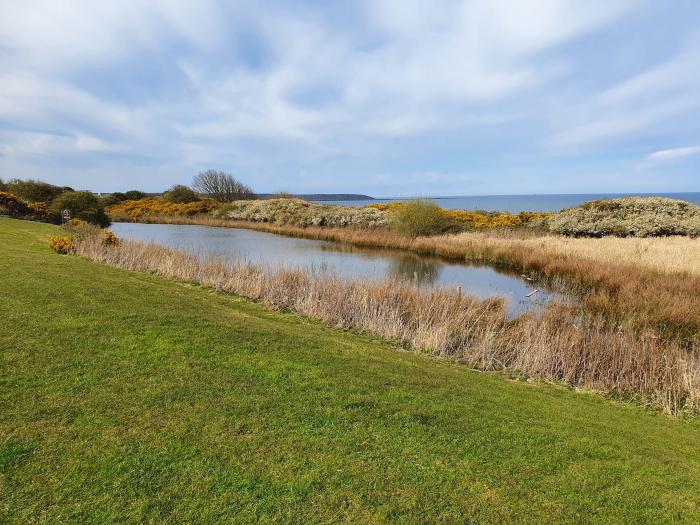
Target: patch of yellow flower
(159,206)
(480,219)
(41,211)
(109,239)
(62,245)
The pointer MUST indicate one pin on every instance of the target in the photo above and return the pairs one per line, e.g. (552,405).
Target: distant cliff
(323,196)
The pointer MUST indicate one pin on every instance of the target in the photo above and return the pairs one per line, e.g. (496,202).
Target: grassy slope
(126,397)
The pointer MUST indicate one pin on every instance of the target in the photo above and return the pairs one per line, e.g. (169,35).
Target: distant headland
(323,196)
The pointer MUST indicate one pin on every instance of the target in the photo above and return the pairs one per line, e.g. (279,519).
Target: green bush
(180,194)
(82,205)
(3,186)
(419,217)
(113,198)
(35,190)
(134,195)
(628,217)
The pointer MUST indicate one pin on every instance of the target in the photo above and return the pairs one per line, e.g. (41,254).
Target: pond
(268,249)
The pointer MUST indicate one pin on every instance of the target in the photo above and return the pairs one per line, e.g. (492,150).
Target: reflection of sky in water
(345,260)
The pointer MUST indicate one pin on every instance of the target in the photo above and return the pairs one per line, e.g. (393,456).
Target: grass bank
(564,343)
(130,398)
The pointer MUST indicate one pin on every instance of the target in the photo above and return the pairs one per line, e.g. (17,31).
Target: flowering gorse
(63,245)
(158,206)
(109,239)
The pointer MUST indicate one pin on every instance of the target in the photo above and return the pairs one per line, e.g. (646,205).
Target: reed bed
(654,282)
(562,344)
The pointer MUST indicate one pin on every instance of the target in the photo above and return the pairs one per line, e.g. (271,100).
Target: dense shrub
(484,219)
(180,194)
(62,245)
(113,198)
(134,195)
(468,219)
(628,217)
(109,239)
(34,190)
(420,217)
(43,212)
(129,210)
(13,206)
(3,186)
(82,205)
(301,213)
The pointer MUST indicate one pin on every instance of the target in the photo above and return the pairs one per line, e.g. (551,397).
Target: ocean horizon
(550,202)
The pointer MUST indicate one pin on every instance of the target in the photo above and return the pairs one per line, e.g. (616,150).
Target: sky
(382,97)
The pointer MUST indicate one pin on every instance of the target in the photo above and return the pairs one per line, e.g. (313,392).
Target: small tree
(420,217)
(3,186)
(82,205)
(34,190)
(221,186)
(180,194)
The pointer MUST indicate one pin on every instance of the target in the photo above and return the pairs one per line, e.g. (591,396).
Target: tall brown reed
(562,344)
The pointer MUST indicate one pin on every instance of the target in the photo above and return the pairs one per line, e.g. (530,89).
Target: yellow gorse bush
(109,239)
(62,245)
(41,211)
(480,219)
(159,206)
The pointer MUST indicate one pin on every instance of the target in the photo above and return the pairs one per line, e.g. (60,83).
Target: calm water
(346,261)
(518,203)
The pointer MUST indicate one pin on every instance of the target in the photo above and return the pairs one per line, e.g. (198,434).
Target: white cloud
(633,105)
(408,76)
(23,144)
(57,35)
(673,154)
(323,87)
(676,153)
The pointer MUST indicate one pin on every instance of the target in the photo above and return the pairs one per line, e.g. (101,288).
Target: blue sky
(389,98)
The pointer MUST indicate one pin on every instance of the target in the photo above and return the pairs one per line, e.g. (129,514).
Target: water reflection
(415,269)
(344,260)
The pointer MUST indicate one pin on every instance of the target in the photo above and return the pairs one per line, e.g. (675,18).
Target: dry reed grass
(563,344)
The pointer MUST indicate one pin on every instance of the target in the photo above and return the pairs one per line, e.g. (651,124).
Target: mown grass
(126,397)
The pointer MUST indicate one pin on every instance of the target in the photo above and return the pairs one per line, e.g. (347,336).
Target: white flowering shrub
(301,213)
(628,217)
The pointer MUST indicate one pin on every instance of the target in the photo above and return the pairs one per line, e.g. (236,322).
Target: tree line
(212,184)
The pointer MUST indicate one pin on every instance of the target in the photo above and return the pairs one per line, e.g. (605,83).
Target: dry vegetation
(563,344)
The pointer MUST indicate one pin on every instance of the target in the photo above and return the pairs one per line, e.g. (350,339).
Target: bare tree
(221,186)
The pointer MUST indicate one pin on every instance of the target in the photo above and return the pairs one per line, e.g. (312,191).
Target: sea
(518,203)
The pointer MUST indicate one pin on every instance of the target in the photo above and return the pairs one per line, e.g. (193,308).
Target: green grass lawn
(128,398)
